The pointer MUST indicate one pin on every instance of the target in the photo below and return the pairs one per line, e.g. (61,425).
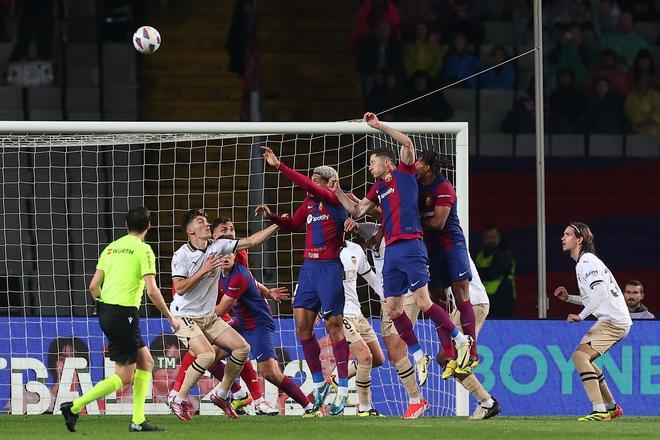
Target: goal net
(65,190)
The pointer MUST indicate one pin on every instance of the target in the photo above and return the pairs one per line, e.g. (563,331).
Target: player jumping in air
(406,259)
(195,276)
(320,282)
(123,269)
(601,296)
(447,249)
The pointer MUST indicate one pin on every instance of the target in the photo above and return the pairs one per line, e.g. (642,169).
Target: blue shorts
(406,267)
(449,267)
(262,343)
(321,287)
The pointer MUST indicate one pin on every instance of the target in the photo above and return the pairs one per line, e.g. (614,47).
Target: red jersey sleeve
(308,185)
(372,195)
(408,168)
(444,194)
(236,287)
(292,223)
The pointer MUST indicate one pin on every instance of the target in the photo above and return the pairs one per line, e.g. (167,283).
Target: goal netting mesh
(64,198)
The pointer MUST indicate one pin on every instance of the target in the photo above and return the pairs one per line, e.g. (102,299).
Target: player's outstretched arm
(157,299)
(293,224)
(276,293)
(357,210)
(257,238)
(407,150)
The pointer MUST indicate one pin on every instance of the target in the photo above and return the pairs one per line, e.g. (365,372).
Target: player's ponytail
(582,231)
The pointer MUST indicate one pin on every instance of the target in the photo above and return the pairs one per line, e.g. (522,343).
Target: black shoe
(493,410)
(145,427)
(70,419)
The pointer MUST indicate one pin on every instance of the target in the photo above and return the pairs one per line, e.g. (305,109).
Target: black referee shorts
(120,326)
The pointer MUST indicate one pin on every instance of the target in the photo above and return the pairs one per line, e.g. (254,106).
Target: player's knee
(580,360)
(394,311)
(365,358)
(146,364)
(205,359)
(377,360)
(241,354)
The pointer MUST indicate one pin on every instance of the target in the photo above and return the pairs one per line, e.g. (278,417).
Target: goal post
(66,187)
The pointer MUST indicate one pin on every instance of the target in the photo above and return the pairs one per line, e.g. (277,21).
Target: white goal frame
(31,129)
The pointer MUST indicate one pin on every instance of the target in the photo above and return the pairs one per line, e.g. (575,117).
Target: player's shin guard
(196,370)
(233,368)
(100,390)
(312,351)
(293,390)
(474,387)
(363,385)
(589,379)
(250,378)
(468,323)
(404,327)
(341,352)
(141,380)
(406,373)
(188,359)
(608,398)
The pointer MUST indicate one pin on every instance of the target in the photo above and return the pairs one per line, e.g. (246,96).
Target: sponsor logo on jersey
(317,218)
(385,194)
(429,201)
(588,274)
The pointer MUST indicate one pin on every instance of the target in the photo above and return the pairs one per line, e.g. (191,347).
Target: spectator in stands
(624,41)
(35,22)
(522,117)
(634,295)
(380,51)
(643,107)
(385,94)
(370,13)
(414,11)
(422,54)
(566,101)
(608,69)
(460,63)
(606,17)
(461,16)
(502,77)
(571,52)
(604,113)
(643,65)
(428,109)
(497,269)
(641,9)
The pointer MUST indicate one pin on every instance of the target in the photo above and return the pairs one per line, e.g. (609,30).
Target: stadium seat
(499,32)
(5,51)
(526,145)
(461,99)
(649,30)
(567,145)
(640,145)
(120,103)
(45,115)
(11,115)
(118,65)
(496,144)
(82,54)
(82,76)
(602,145)
(494,105)
(11,100)
(82,100)
(44,104)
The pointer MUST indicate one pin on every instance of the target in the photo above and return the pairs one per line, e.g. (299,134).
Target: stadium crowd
(601,74)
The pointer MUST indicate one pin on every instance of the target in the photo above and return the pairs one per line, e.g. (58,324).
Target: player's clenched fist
(561,293)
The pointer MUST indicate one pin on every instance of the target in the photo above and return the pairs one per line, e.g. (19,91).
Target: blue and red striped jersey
(251,309)
(396,194)
(323,214)
(440,192)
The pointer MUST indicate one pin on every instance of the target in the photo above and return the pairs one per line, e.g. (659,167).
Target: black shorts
(120,326)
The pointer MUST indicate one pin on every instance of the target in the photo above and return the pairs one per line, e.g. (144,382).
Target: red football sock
(250,378)
(188,359)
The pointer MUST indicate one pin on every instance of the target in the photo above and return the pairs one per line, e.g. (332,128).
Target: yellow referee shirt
(124,263)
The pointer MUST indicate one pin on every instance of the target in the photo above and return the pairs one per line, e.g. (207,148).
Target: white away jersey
(355,263)
(187,260)
(599,292)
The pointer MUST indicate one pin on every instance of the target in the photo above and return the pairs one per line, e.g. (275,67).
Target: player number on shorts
(347,325)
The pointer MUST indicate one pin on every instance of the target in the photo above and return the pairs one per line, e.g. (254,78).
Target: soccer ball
(146,40)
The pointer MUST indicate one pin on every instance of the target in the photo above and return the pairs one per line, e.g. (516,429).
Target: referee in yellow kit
(124,267)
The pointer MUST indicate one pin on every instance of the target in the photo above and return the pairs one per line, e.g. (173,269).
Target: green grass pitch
(336,428)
